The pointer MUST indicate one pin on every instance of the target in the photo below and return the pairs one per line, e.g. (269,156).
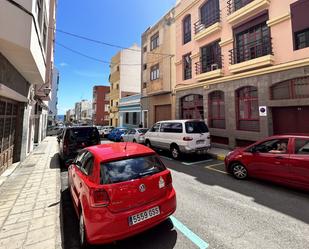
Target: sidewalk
(218,153)
(30,201)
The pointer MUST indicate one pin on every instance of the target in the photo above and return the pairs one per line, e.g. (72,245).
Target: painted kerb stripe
(189,234)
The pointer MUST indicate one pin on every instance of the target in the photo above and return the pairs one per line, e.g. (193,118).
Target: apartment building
(70,115)
(53,102)
(26,64)
(125,78)
(158,71)
(100,105)
(83,112)
(243,66)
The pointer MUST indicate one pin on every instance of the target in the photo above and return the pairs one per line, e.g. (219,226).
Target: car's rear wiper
(147,173)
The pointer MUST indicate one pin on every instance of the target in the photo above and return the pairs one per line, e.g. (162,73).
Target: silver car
(135,135)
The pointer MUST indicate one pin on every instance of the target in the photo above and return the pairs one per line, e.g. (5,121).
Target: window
(274,146)
(300,23)
(238,4)
(117,86)
(210,13)
(171,127)
(302,39)
(154,43)
(302,146)
(87,164)
(247,109)
(106,117)
(291,89)
(186,29)
(210,57)
(127,117)
(216,110)
(145,49)
(187,67)
(130,169)
(192,107)
(155,72)
(196,127)
(134,118)
(145,66)
(144,85)
(252,40)
(39,9)
(155,127)
(106,106)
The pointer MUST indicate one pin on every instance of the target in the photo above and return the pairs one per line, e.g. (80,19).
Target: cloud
(63,64)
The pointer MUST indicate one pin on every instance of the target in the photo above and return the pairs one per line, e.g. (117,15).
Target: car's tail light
(100,198)
(169,179)
(187,138)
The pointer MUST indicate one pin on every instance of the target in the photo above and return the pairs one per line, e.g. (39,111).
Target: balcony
(209,68)
(252,55)
(20,42)
(240,10)
(206,26)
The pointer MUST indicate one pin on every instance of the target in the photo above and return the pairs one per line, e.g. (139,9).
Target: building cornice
(225,42)
(278,20)
(257,72)
(187,8)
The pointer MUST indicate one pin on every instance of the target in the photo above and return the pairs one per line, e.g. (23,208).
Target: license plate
(145,215)
(200,141)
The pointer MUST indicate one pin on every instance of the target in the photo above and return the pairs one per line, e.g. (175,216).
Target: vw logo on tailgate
(142,188)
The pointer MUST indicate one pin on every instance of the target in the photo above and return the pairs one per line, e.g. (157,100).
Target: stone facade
(263,84)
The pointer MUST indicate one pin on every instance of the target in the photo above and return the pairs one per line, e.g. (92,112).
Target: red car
(283,159)
(119,190)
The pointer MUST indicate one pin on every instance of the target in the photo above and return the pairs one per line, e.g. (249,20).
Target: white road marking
(210,167)
(198,162)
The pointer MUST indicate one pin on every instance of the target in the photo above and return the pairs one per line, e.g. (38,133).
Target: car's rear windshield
(196,127)
(129,169)
(143,131)
(81,134)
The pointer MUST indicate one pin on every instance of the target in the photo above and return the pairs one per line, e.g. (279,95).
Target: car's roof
(81,127)
(296,135)
(181,120)
(107,152)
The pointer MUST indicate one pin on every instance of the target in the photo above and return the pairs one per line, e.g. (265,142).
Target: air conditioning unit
(214,67)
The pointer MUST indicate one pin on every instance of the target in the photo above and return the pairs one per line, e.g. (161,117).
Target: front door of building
(293,119)
(8,123)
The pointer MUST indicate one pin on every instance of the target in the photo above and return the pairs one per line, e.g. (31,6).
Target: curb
(9,171)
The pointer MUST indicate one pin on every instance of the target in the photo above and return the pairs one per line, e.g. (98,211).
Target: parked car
(118,190)
(179,136)
(76,138)
(135,135)
(105,130)
(54,130)
(283,159)
(115,134)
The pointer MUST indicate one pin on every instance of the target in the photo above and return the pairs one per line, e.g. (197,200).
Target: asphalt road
(214,210)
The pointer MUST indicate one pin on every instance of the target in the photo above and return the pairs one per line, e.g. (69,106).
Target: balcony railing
(208,64)
(206,22)
(251,50)
(234,5)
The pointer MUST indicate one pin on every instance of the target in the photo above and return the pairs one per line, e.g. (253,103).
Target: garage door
(162,112)
(8,117)
(291,119)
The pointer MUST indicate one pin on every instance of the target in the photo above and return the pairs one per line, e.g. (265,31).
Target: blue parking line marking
(189,234)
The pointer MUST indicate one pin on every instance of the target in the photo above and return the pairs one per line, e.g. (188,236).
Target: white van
(179,136)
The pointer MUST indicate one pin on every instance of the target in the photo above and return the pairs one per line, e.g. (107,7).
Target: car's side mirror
(69,162)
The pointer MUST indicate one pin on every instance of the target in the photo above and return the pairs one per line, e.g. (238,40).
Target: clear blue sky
(119,22)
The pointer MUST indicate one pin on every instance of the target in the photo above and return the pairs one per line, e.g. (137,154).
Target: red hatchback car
(283,159)
(119,190)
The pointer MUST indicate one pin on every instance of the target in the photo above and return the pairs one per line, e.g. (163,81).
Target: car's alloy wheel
(175,152)
(82,232)
(239,171)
